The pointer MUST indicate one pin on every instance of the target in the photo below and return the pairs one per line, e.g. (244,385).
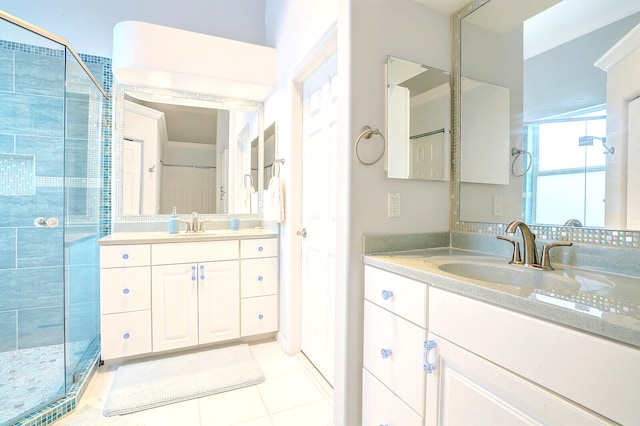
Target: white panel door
(633,168)
(319,110)
(132,177)
(174,306)
(219,301)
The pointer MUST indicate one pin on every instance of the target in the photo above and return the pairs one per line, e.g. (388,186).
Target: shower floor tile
(31,377)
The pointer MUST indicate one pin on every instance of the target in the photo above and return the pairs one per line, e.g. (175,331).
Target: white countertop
(164,237)
(600,303)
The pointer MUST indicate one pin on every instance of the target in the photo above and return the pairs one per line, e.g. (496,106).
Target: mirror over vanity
(562,130)
(193,152)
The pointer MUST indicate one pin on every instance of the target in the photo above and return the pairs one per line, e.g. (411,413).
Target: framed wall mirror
(571,101)
(417,121)
(190,151)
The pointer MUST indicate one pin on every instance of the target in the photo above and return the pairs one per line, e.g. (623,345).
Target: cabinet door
(174,303)
(465,389)
(380,406)
(393,352)
(218,301)
(259,315)
(125,334)
(259,277)
(125,289)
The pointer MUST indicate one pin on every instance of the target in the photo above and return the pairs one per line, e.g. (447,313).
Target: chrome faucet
(528,242)
(529,247)
(195,225)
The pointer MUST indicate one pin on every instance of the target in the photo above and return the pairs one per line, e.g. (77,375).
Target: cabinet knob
(193,273)
(386,353)
(125,256)
(125,291)
(429,367)
(260,278)
(260,316)
(202,272)
(387,294)
(125,336)
(260,248)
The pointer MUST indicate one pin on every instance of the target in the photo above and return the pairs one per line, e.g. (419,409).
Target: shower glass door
(50,114)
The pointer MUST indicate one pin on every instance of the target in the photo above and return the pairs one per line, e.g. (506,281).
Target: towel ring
(367,132)
(515,152)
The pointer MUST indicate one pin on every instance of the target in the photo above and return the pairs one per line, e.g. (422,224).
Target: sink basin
(510,275)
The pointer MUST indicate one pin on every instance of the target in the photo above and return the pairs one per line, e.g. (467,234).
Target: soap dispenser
(173,222)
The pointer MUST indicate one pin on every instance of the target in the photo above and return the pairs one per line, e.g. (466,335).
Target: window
(567,179)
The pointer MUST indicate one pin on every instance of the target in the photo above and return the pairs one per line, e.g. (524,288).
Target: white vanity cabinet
(125,300)
(259,286)
(395,323)
(196,302)
(492,363)
(169,295)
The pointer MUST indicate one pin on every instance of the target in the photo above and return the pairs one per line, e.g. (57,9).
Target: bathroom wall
(89,28)
(368,31)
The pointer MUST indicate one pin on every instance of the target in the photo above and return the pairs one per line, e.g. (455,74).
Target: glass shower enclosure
(50,168)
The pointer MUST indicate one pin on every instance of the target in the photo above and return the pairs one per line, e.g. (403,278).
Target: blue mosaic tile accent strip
(106,78)
(17,174)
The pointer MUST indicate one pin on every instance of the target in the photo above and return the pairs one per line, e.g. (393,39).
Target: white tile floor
(293,393)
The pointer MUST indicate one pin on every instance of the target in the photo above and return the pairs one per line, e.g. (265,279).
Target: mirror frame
(586,235)
(119,90)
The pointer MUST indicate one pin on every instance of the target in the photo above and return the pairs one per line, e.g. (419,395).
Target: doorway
(318,213)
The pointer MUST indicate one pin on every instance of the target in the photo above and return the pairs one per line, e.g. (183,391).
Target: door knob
(302,232)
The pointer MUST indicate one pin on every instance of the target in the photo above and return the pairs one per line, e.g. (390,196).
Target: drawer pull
(386,353)
(193,273)
(387,294)
(260,278)
(125,336)
(260,316)
(202,272)
(125,291)
(429,367)
(125,256)
(260,248)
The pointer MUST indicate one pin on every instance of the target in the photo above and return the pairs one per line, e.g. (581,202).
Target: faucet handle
(187,223)
(545,262)
(515,258)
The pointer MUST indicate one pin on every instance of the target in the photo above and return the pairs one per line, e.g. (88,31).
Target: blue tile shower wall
(32,124)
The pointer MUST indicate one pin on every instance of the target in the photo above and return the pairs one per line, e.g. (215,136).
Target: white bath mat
(150,384)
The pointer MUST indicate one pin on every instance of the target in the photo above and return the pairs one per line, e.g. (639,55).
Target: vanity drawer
(259,277)
(262,247)
(393,352)
(190,252)
(125,255)
(258,315)
(381,407)
(125,334)
(400,295)
(125,289)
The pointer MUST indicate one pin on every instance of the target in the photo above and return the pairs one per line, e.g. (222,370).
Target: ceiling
(444,6)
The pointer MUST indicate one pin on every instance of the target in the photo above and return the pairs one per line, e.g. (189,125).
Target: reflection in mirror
(418,116)
(570,89)
(185,150)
